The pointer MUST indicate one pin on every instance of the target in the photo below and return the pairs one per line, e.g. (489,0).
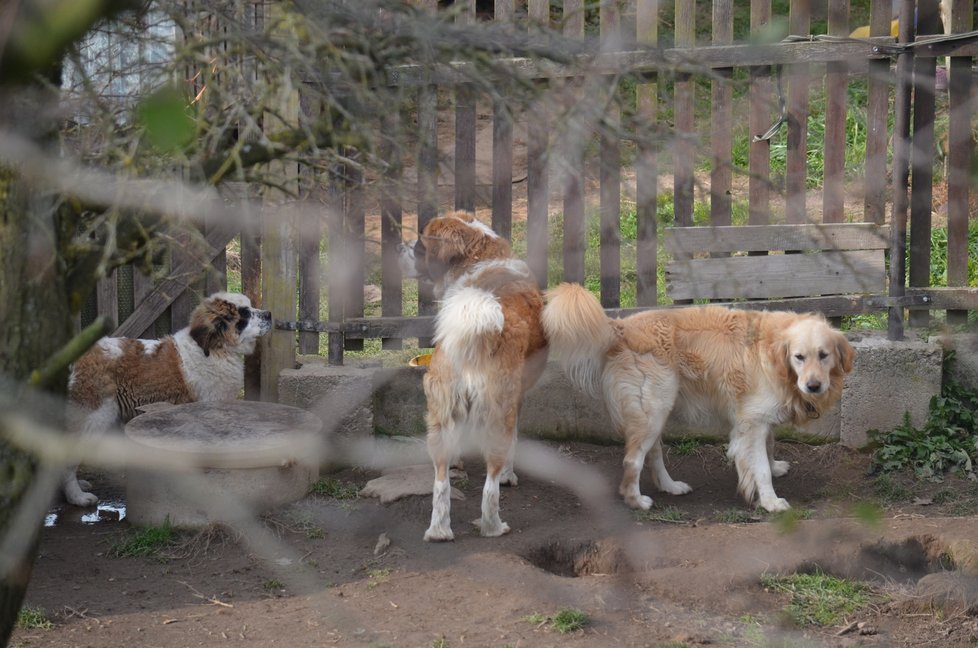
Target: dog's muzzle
(264,319)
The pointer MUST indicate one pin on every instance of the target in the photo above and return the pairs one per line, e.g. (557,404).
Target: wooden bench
(838,269)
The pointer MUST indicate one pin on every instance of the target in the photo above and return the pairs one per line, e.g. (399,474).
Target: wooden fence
(896,179)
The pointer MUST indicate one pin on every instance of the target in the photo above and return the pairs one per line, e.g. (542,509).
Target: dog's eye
(822,355)
(800,357)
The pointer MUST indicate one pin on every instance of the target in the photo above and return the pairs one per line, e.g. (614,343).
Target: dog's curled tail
(579,334)
(467,321)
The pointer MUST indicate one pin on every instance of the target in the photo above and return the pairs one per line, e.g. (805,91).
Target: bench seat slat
(687,241)
(834,272)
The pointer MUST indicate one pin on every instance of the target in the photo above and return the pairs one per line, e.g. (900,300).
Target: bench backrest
(776,261)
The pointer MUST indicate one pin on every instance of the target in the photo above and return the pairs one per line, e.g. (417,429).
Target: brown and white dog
(750,370)
(489,349)
(202,362)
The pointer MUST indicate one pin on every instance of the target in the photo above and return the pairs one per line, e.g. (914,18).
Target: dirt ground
(688,573)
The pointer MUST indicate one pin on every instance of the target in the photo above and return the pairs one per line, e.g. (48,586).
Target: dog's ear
(208,329)
(846,353)
(779,350)
(443,247)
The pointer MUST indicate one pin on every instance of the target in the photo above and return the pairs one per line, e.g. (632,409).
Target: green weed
(144,542)
(817,598)
(377,576)
(336,489)
(33,618)
(668,514)
(440,642)
(947,442)
(569,620)
(737,516)
(272,585)
(685,446)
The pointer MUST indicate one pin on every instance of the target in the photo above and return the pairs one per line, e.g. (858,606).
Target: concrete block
(889,380)
(341,396)
(963,369)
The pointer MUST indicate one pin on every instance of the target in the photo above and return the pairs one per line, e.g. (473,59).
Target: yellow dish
(420,360)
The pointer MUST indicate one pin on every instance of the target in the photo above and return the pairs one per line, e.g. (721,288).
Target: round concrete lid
(239,433)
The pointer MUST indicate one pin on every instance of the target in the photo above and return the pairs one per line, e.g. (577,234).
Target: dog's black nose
(266,315)
(814,386)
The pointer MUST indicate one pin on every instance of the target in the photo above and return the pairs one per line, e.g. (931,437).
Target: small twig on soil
(209,599)
(81,614)
(848,628)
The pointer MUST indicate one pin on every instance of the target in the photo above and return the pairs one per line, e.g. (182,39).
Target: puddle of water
(109,511)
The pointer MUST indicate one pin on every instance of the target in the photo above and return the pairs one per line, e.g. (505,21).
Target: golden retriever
(489,349)
(749,369)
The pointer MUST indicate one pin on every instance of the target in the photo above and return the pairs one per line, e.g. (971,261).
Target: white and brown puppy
(750,370)
(202,362)
(489,349)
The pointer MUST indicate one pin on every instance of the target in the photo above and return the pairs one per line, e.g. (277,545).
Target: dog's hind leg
(508,477)
(663,481)
(778,468)
(86,423)
(441,455)
(640,393)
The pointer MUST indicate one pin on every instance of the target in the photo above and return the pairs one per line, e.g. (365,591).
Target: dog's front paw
(677,488)
(81,499)
(491,529)
(643,502)
(780,468)
(775,504)
(439,533)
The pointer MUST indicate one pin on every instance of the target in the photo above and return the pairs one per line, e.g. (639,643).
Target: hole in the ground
(904,561)
(571,559)
(908,560)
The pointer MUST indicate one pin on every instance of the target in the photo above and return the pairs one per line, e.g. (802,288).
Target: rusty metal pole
(901,173)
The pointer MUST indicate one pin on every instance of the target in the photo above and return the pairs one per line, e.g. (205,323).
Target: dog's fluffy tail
(468,320)
(579,334)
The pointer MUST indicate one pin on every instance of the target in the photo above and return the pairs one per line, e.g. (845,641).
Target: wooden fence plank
(796,167)
(391,291)
(922,160)
(502,148)
(877,118)
(646,166)
(721,118)
(836,96)
(961,144)
(502,171)
(427,181)
(308,237)
(610,174)
(180,276)
(465,126)
(759,120)
(355,253)
(537,168)
(107,296)
(685,111)
(777,275)
(755,238)
(575,243)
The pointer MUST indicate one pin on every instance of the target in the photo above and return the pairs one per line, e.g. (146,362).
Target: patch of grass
(685,446)
(377,576)
(787,521)
(564,621)
(569,620)
(737,516)
(272,585)
(440,642)
(817,598)
(144,542)
(668,514)
(33,618)
(336,489)
(947,442)
(890,490)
